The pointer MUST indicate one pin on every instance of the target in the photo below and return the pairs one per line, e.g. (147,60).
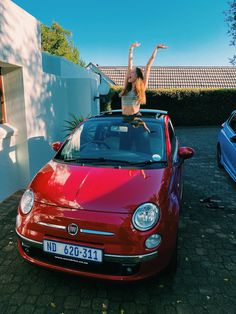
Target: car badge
(72,229)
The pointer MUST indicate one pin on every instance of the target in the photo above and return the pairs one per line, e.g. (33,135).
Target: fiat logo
(73,229)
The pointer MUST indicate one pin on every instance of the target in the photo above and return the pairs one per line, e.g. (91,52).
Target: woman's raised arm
(130,61)
(150,62)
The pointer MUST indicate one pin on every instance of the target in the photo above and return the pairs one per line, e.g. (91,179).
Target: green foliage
(231,21)
(73,123)
(189,106)
(105,101)
(58,41)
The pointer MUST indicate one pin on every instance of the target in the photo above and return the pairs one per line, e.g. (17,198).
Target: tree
(58,41)
(231,21)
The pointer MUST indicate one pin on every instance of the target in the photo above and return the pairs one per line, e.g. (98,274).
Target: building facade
(38,92)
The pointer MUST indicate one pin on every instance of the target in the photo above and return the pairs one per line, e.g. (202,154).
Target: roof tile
(180,76)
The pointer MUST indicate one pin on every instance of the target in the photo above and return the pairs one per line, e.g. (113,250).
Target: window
(115,139)
(2,108)
(173,141)
(232,123)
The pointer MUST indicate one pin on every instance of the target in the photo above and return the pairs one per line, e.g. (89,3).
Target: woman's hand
(134,45)
(161,46)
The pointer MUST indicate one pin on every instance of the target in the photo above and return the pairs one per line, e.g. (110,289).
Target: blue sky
(195,31)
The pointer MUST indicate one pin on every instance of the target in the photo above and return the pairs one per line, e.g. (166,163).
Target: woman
(132,96)
(135,85)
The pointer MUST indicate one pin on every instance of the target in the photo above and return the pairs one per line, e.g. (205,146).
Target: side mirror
(186,152)
(56,146)
(233,139)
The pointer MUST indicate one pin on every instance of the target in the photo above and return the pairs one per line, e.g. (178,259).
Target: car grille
(106,268)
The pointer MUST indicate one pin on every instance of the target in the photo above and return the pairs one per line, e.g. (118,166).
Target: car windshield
(113,140)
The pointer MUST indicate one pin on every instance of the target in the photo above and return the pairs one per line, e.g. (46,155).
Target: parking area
(205,281)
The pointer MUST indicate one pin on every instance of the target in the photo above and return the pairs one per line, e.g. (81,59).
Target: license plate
(71,250)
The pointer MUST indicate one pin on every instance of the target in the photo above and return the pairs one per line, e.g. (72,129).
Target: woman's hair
(138,87)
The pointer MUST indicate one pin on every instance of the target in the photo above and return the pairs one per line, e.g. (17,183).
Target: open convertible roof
(151,113)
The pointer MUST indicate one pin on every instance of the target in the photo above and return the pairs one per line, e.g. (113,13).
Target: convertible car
(107,205)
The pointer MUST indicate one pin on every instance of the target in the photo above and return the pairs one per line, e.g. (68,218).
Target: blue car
(226,146)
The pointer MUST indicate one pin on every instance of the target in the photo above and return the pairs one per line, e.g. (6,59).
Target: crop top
(130,99)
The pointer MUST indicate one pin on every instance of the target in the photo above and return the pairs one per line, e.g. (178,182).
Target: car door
(230,146)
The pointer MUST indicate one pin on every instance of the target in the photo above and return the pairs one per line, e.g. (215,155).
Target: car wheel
(218,156)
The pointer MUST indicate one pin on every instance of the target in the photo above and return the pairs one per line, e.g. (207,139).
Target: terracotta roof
(180,76)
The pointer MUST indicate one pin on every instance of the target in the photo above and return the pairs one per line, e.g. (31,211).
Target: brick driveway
(205,281)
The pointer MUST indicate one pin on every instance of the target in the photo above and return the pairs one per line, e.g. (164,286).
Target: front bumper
(126,268)
(123,246)
(107,257)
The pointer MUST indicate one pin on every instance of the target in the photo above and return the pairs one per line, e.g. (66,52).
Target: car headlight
(27,201)
(153,241)
(146,216)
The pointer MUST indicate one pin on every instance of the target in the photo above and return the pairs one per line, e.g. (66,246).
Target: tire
(218,156)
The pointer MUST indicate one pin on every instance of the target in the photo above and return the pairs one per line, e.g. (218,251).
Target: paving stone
(142,308)
(85,302)
(10,288)
(26,309)
(84,311)
(31,299)
(129,307)
(114,308)
(183,308)
(71,302)
(88,292)
(17,298)
(205,281)
(40,310)
(44,299)
(102,293)
(36,289)
(141,297)
(99,304)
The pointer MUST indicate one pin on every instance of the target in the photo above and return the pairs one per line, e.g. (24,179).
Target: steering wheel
(99,143)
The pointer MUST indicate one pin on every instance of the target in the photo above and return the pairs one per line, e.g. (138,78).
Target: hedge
(185,106)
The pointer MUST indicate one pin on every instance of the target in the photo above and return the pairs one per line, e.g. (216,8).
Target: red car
(107,205)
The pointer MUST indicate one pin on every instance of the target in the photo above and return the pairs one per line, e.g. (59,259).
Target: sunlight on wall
(3,133)
(12,156)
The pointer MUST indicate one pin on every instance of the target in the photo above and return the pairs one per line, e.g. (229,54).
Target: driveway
(205,281)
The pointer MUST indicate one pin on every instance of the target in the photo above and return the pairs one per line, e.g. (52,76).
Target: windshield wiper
(149,162)
(99,159)
(103,160)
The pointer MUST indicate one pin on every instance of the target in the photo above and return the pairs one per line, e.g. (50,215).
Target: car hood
(99,188)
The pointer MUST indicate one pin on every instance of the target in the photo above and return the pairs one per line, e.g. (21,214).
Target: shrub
(72,124)
(188,106)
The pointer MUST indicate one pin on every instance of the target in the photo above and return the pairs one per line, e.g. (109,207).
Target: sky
(194,30)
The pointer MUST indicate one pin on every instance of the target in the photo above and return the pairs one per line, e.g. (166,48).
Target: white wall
(8,156)
(40,91)
(19,54)
(15,116)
